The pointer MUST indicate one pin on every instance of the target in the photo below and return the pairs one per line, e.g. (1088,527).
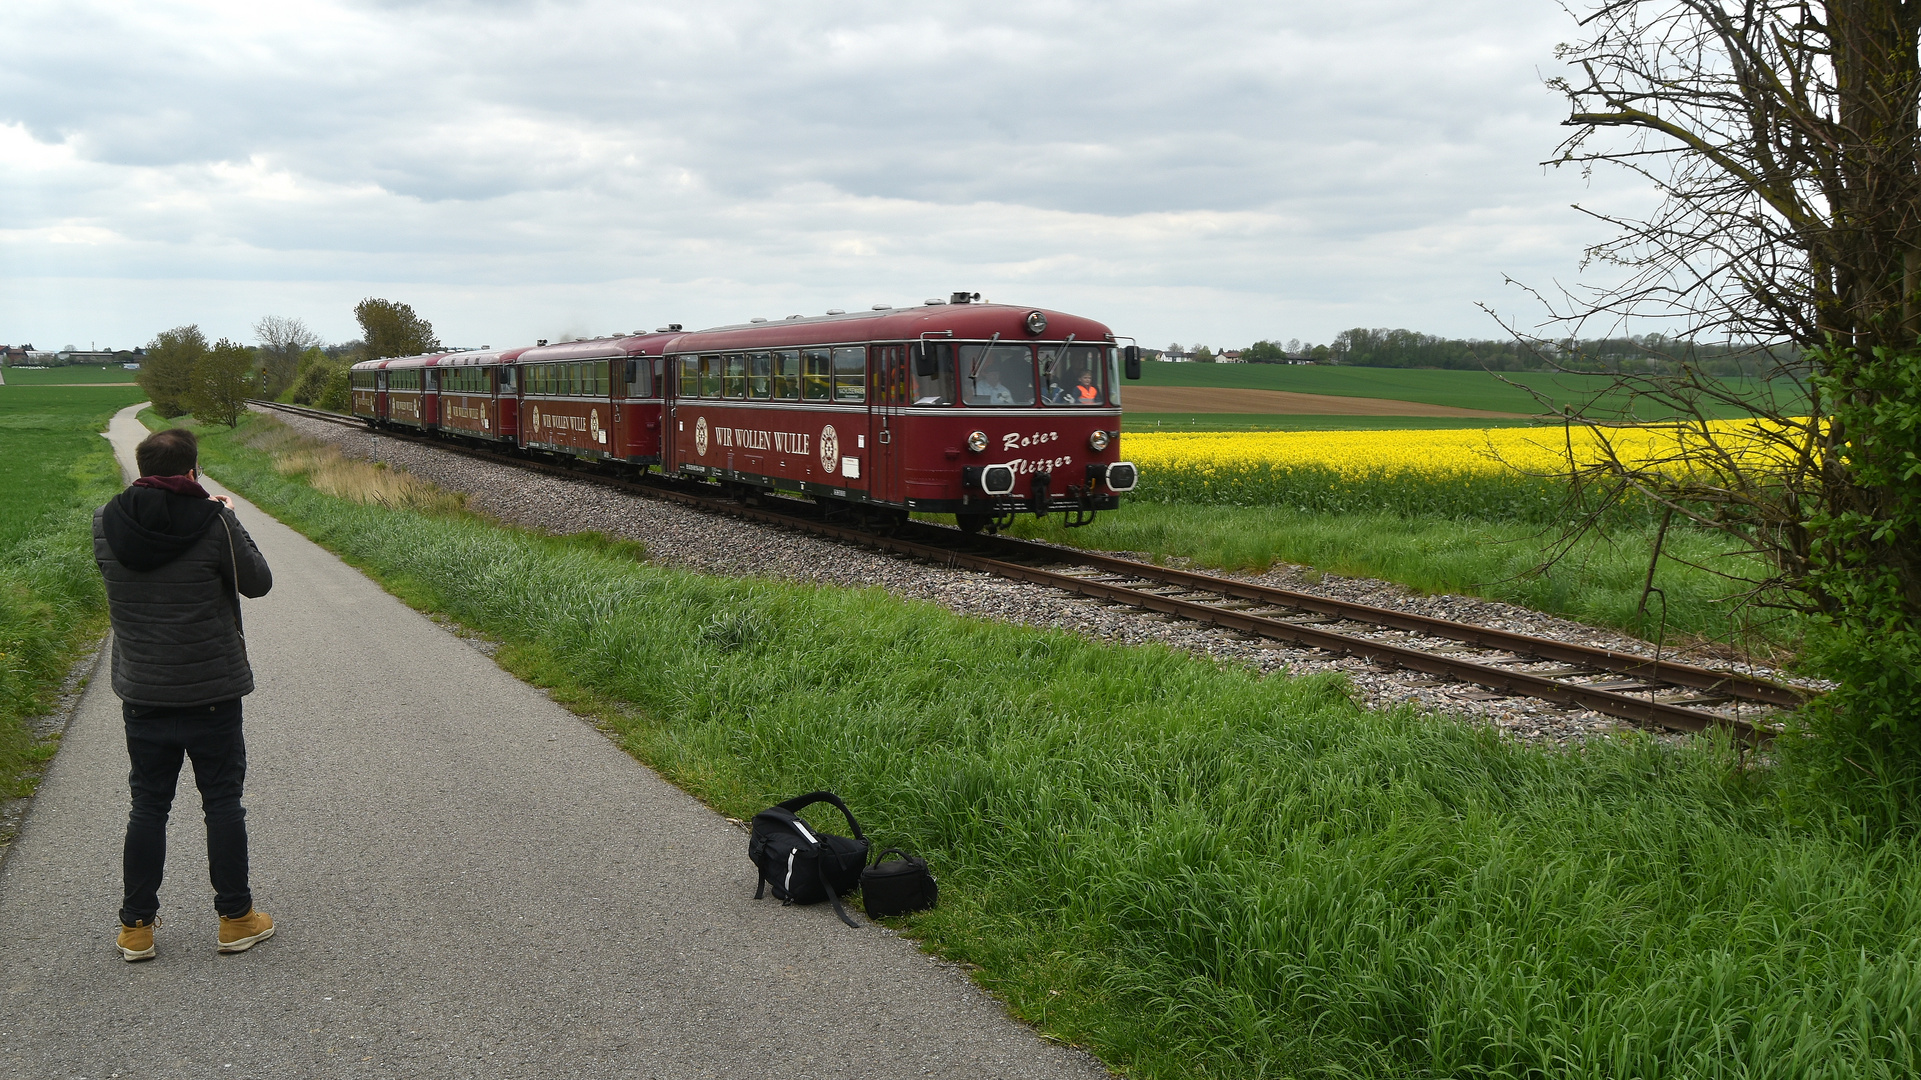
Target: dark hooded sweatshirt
(173,560)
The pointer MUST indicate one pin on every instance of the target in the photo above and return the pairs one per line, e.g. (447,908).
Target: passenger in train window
(736,377)
(817,374)
(760,375)
(1086,391)
(710,376)
(787,374)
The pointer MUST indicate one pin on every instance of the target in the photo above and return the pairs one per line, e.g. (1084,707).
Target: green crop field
(1508,392)
(79,373)
(1195,871)
(51,601)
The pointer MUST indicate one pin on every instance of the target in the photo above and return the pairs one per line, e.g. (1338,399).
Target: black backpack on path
(802,864)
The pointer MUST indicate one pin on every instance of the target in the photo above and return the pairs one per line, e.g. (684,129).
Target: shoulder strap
(233,556)
(821,862)
(799,802)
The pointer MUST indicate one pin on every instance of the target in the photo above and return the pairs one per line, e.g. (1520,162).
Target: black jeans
(157,739)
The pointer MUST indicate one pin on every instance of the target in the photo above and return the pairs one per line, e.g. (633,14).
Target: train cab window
(506,380)
(996,375)
(710,376)
(817,374)
(734,384)
(786,374)
(760,375)
(935,389)
(850,374)
(1072,378)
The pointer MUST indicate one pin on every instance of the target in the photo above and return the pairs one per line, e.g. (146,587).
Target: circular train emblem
(830,449)
(593,423)
(700,436)
(536,418)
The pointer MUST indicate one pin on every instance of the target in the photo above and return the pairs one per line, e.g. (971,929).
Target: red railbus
(983,411)
(977,410)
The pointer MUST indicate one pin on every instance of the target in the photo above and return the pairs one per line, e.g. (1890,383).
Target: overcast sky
(1212,172)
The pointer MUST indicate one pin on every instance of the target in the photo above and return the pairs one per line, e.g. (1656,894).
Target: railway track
(1650,691)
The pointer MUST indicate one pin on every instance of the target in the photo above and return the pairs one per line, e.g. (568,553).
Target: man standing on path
(176,562)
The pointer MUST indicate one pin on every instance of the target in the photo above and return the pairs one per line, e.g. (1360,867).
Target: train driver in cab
(990,390)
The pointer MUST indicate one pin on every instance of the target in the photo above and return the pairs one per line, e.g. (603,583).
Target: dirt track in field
(1208,399)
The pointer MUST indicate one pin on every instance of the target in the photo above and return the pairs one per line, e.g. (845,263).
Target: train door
(430,398)
(506,403)
(889,394)
(380,395)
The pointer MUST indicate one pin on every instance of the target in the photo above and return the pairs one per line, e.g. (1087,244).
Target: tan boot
(240,934)
(136,941)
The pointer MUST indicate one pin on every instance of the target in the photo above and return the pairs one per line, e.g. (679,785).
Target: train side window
(787,374)
(760,375)
(817,374)
(734,381)
(710,376)
(850,374)
(938,388)
(689,375)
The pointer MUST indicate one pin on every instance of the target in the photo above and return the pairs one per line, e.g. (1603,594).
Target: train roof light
(668,329)
(541,342)
(1037,322)
(964,298)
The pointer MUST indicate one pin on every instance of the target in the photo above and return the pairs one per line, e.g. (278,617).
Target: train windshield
(996,375)
(1072,377)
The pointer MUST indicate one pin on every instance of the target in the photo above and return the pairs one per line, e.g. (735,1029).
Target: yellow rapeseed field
(1535,451)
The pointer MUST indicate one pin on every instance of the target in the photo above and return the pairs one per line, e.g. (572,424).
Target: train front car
(599,399)
(983,411)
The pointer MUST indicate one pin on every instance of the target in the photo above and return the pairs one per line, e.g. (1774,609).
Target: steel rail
(1725,683)
(1614,703)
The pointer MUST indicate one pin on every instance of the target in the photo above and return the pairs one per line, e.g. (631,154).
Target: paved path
(469,882)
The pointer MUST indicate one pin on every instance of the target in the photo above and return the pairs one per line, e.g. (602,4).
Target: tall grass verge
(1196,871)
(52,603)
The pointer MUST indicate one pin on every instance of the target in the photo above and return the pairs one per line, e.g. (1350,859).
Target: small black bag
(802,865)
(897,887)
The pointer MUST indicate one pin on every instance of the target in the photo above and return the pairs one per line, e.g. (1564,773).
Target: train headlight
(1037,322)
(1098,440)
(1122,476)
(977,442)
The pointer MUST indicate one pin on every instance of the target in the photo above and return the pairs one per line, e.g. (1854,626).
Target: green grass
(1198,872)
(1140,421)
(1460,389)
(52,604)
(1599,582)
(57,376)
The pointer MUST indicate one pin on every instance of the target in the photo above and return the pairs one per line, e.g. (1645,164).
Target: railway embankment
(677,536)
(1186,866)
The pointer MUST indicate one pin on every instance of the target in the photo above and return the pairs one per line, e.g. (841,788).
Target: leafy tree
(1264,352)
(1784,140)
(167,372)
(282,341)
(391,328)
(1203,354)
(223,379)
